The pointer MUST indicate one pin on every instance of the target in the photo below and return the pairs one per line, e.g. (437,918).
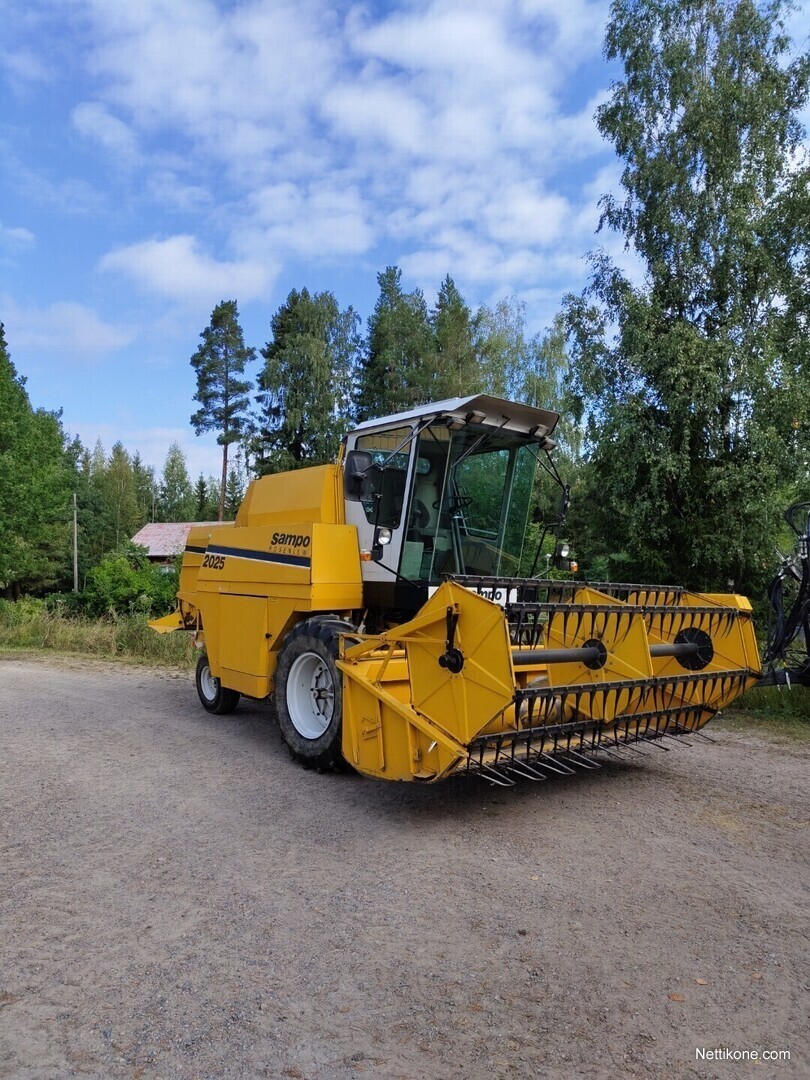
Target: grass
(31,626)
(772,711)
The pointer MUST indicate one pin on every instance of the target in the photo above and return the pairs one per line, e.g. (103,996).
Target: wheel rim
(310,695)
(208,684)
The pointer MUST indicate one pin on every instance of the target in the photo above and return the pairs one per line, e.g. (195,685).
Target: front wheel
(309,693)
(215,697)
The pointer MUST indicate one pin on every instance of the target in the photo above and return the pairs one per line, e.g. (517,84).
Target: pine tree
(456,372)
(234,493)
(396,372)
(176,493)
(222,392)
(201,499)
(306,384)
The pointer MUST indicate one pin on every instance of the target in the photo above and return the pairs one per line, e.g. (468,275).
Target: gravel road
(179,899)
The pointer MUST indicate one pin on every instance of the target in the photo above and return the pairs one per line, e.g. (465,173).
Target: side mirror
(357,475)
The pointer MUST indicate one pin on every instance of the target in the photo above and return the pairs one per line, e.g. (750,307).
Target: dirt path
(178,899)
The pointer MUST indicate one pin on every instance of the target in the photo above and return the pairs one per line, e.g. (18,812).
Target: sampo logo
(295,540)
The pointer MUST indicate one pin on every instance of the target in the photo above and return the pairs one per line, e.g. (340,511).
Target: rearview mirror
(357,475)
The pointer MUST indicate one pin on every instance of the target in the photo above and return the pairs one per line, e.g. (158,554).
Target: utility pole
(75,547)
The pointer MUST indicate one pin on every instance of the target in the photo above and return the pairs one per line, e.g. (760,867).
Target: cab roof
(521,418)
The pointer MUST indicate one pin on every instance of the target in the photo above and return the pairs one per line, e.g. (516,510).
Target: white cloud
(168,189)
(452,38)
(300,130)
(68,195)
(178,269)
(16,237)
(379,111)
(312,221)
(23,67)
(63,327)
(95,121)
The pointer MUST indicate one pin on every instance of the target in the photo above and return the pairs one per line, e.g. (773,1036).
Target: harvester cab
(442,490)
(383,602)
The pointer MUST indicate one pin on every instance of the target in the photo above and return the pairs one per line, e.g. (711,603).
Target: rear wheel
(215,697)
(309,692)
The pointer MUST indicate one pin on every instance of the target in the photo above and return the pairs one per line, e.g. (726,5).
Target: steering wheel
(420,515)
(456,503)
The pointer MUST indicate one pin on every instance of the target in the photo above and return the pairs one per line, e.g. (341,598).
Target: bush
(125,582)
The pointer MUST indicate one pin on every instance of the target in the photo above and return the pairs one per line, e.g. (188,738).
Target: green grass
(772,711)
(770,725)
(30,626)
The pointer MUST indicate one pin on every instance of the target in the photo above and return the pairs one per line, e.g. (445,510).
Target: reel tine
(612,751)
(555,764)
(522,768)
(627,743)
(700,735)
(490,773)
(582,761)
(653,741)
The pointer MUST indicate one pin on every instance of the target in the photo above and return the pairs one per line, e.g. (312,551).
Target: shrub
(125,582)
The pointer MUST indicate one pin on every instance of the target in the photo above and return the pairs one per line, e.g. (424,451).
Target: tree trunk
(224,481)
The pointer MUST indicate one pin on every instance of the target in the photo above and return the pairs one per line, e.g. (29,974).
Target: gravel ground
(179,899)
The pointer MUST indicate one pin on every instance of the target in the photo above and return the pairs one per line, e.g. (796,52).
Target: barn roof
(165,539)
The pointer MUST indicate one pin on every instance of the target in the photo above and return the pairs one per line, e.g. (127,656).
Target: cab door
(387,502)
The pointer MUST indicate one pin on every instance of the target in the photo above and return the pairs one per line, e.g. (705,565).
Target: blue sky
(162,155)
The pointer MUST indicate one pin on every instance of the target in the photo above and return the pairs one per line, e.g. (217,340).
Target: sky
(160,156)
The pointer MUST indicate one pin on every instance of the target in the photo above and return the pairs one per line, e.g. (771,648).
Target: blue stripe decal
(260,556)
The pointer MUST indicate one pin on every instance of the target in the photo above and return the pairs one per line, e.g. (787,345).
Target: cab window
(388,484)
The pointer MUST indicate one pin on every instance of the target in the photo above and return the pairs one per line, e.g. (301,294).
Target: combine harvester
(379,599)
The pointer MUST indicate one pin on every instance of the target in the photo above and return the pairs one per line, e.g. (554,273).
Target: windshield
(469,505)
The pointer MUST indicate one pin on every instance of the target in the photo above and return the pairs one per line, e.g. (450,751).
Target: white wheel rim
(310,695)
(208,684)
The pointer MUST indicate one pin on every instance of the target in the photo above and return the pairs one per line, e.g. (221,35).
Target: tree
(306,384)
(120,495)
(696,423)
(396,370)
(545,378)
(145,484)
(221,391)
(234,493)
(500,344)
(176,493)
(456,371)
(35,487)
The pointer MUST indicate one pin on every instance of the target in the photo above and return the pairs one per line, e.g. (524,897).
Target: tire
(309,692)
(215,697)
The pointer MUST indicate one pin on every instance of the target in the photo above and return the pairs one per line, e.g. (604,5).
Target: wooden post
(75,547)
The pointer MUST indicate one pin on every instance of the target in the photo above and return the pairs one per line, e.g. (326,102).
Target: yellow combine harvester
(379,600)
